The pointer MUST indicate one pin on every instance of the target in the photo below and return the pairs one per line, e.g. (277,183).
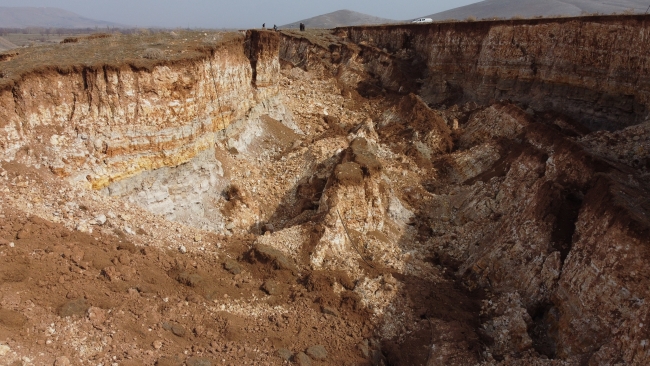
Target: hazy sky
(234,13)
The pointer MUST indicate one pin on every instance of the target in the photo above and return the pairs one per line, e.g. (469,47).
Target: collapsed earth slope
(462,193)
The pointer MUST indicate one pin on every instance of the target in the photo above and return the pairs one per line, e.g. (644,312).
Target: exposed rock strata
(594,70)
(526,211)
(106,124)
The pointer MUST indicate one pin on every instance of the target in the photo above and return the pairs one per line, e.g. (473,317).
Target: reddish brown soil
(139,292)
(133,297)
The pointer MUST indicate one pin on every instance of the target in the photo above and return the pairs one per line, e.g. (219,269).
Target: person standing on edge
(275,27)
(263,25)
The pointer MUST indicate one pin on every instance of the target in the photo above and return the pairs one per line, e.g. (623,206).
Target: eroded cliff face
(518,205)
(418,194)
(107,124)
(594,69)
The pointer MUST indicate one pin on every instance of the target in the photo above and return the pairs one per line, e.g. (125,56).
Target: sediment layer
(108,123)
(593,69)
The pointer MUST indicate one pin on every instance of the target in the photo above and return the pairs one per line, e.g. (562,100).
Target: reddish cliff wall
(596,70)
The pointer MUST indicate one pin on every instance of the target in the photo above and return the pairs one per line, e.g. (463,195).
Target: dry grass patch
(320,37)
(136,51)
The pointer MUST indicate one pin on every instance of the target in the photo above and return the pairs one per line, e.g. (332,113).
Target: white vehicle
(423,20)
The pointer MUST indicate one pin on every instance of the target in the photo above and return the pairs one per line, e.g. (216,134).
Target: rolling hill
(339,18)
(532,8)
(23,17)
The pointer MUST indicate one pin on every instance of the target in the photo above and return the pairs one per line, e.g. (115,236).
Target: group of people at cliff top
(275,27)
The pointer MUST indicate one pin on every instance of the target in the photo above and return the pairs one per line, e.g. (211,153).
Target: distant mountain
(340,18)
(532,8)
(23,17)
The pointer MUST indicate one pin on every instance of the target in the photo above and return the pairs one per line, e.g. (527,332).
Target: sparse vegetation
(8,55)
(99,35)
(585,14)
(141,51)
(153,53)
(320,37)
(470,18)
